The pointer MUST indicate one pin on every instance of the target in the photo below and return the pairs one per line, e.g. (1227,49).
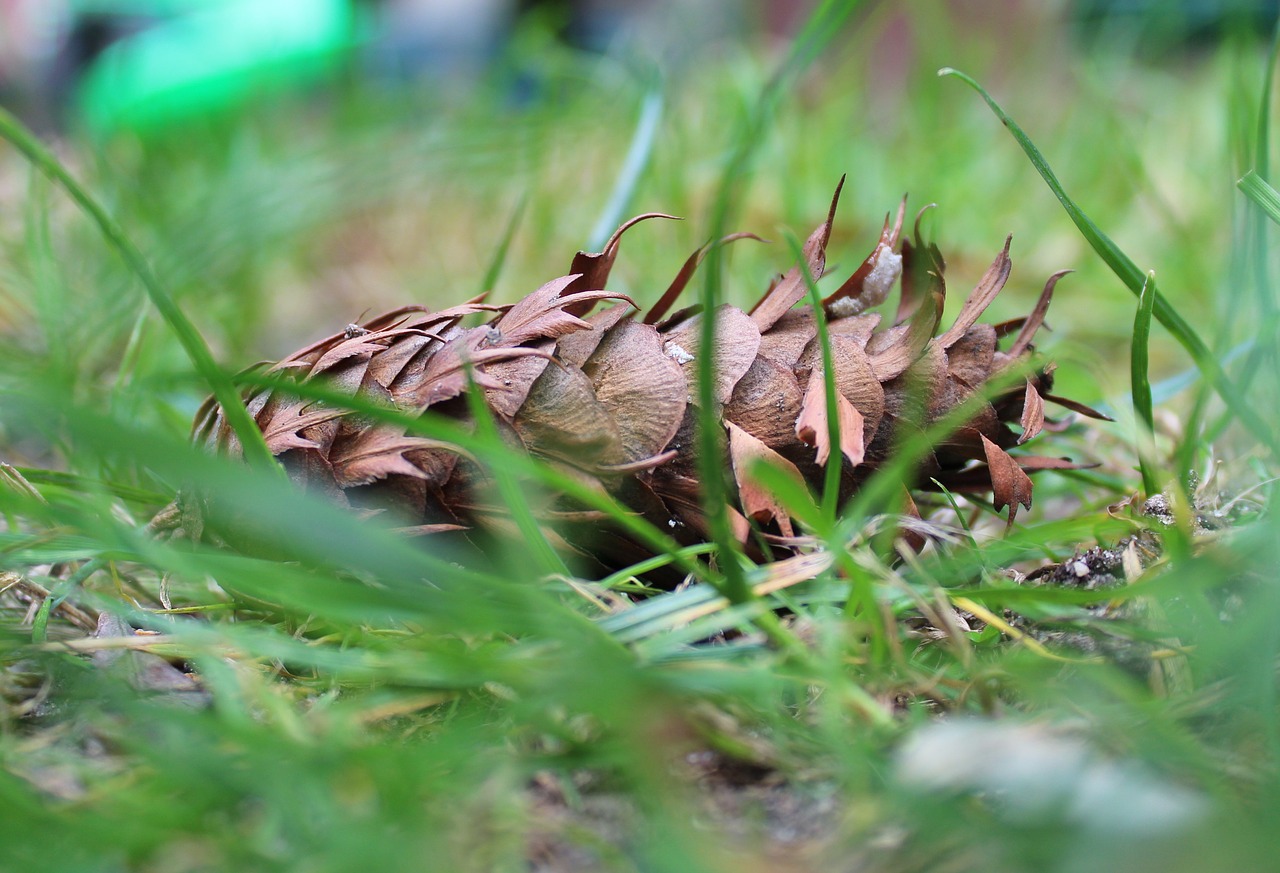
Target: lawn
(1092,687)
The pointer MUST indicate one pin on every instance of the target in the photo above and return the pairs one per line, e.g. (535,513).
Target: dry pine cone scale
(611,398)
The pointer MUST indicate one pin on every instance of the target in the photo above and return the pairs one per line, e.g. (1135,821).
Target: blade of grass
(49,299)
(1132,277)
(792,494)
(1262,146)
(861,600)
(835,457)
(1260,192)
(1259,230)
(311,531)
(77,483)
(862,590)
(632,168)
(64,589)
(819,29)
(220,383)
(548,560)
(1171,386)
(1139,374)
(961,521)
(1020,636)
(1262,169)
(649,564)
(504,246)
(129,358)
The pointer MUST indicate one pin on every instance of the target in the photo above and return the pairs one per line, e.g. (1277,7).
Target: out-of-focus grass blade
(1255,186)
(1260,192)
(666,612)
(1256,256)
(835,457)
(269,509)
(792,494)
(1168,388)
(659,614)
(961,521)
(76,483)
(548,560)
(29,550)
(1132,277)
(632,168)
(220,383)
(711,472)
(819,29)
(1139,374)
(40,624)
(704,627)
(1259,238)
(650,564)
(1262,146)
(504,246)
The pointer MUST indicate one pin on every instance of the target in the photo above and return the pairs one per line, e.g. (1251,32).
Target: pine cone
(611,396)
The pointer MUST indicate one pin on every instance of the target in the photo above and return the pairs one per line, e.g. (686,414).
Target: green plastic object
(204,57)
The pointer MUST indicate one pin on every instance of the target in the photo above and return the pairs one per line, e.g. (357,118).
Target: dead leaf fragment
(1010,486)
(812,426)
(759,504)
(1032,413)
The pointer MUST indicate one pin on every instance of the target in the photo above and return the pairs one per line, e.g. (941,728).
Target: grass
(363,701)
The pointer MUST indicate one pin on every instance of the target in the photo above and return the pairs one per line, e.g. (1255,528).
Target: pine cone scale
(640,385)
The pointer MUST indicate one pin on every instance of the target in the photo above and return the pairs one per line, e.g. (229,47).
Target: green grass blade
(544,555)
(504,245)
(710,463)
(220,383)
(1260,192)
(1133,278)
(614,580)
(75,483)
(835,458)
(1171,386)
(792,494)
(632,168)
(40,624)
(1140,378)
(819,29)
(1260,237)
(657,614)
(1262,147)
(1253,260)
